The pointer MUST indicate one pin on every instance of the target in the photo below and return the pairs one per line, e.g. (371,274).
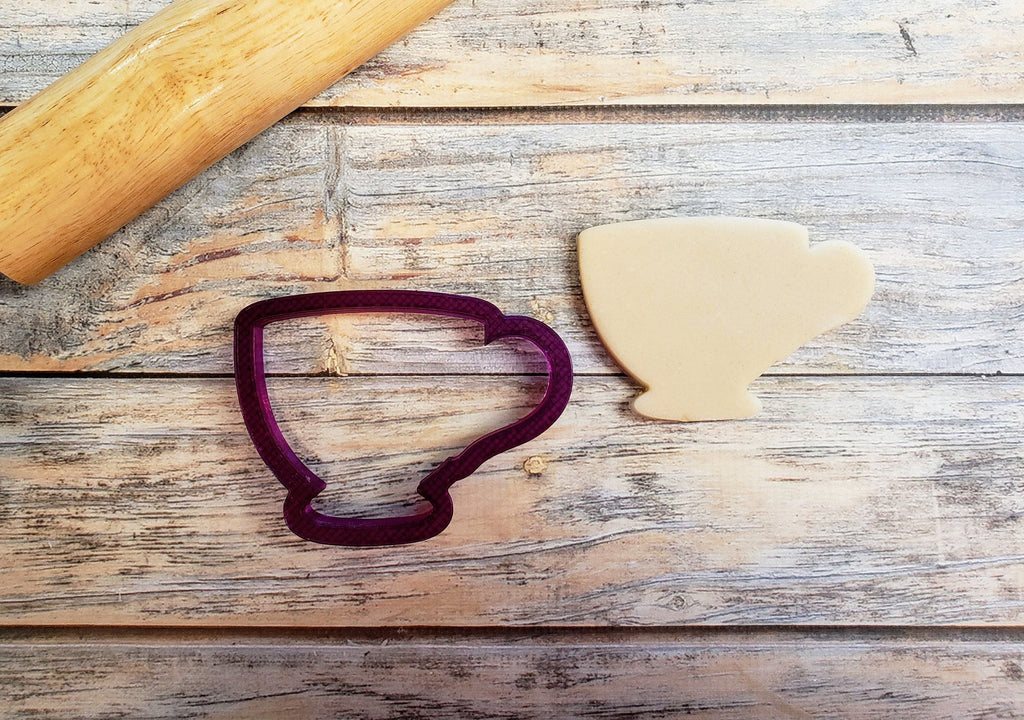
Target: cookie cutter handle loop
(543,416)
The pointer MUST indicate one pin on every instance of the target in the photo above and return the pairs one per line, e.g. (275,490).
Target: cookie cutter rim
(304,485)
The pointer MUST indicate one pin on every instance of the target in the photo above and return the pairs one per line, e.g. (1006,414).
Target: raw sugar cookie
(696,309)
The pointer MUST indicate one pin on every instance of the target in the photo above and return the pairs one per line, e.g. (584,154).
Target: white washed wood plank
(848,501)
(531,52)
(493,212)
(935,206)
(765,675)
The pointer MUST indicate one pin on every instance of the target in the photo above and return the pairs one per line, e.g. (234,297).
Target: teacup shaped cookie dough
(696,309)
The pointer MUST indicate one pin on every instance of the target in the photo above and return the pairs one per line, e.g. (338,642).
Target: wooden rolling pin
(163,103)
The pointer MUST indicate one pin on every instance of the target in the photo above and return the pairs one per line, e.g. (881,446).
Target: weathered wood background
(857,550)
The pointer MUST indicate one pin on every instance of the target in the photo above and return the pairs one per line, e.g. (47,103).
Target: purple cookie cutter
(303,484)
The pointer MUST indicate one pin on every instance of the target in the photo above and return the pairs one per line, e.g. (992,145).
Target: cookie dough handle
(163,103)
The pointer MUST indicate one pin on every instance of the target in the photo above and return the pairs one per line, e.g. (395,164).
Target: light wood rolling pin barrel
(163,103)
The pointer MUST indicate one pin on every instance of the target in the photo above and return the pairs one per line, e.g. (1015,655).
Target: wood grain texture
(880,488)
(764,675)
(164,102)
(532,52)
(494,211)
(848,501)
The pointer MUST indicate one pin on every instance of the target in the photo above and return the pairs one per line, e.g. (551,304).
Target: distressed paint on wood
(762,674)
(532,52)
(873,500)
(850,500)
(494,211)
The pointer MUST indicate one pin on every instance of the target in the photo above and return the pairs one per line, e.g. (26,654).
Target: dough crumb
(535,465)
(542,312)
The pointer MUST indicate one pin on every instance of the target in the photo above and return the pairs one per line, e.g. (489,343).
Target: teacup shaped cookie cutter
(304,485)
